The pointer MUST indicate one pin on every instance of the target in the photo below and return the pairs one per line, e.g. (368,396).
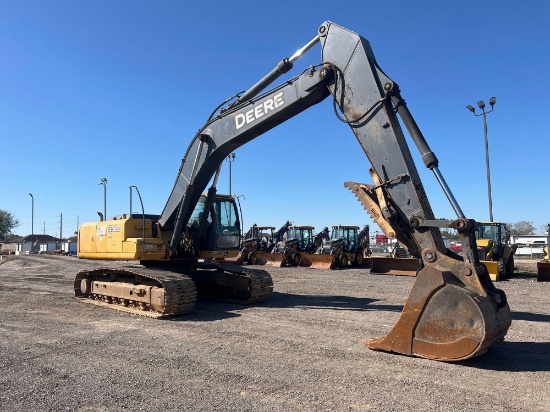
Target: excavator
(454,311)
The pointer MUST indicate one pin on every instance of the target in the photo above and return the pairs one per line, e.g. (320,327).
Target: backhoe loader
(260,245)
(346,246)
(453,312)
(301,247)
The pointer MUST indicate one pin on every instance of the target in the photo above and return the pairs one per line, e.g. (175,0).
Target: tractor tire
(510,267)
(295,259)
(343,261)
(358,259)
(501,269)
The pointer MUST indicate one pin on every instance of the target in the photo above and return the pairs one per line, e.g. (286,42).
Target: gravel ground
(303,350)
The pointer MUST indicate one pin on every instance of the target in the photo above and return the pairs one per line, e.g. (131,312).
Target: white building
(529,245)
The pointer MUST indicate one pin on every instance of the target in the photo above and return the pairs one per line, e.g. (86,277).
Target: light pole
(104,183)
(32,216)
(481,105)
(230,159)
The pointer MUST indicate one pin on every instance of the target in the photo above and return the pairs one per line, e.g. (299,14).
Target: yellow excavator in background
(453,312)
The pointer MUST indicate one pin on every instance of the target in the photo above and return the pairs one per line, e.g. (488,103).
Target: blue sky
(117,89)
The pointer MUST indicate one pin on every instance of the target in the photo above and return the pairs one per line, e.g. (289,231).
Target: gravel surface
(303,350)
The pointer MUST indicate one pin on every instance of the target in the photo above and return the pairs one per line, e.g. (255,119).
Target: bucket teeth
(368,198)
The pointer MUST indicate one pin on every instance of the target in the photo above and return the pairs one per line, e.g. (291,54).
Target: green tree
(521,228)
(7,223)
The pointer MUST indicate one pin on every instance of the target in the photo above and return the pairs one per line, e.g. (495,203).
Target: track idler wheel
(445,320)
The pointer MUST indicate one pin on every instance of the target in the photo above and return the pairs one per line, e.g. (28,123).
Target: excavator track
(232,283)
(145,292)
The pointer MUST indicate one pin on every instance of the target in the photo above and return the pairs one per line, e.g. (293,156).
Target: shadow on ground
(210,310)
(514,357)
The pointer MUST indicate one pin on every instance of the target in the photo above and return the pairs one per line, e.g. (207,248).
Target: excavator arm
(453,312)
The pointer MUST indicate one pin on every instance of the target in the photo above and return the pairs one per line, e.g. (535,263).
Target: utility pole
(230,159)
(32,216)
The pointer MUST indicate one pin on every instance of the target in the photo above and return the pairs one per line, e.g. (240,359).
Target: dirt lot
(300,351)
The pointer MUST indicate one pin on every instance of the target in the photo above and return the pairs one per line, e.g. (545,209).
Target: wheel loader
(494,249)
(543,266)
(453,312)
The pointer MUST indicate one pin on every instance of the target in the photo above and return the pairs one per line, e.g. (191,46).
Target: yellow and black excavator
(453,312)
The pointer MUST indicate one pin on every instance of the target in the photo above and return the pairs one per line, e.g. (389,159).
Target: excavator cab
(222,238)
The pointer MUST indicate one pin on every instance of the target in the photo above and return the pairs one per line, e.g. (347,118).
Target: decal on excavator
(259,110)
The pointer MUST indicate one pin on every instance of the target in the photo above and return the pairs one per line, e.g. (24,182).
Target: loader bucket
(394,266)
(270,259)
(318,261)
(492,268)
(238,260)
(543,271)
(446,320)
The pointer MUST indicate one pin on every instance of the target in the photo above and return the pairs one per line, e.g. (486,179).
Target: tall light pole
(230,159)
(481,105)
(104,183)
(32,216)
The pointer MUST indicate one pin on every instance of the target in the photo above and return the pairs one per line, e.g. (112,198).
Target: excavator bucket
(445,320)
(318,261)
(543,271)
(492,268)
(393,266)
